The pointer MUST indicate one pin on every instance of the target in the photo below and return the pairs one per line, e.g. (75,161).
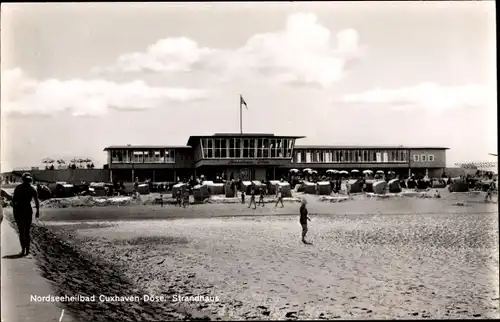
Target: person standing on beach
(252,199)
(23,212)
(185,200)
(491,188)
(303,219)
(280,198)
(178,197)
(261,197)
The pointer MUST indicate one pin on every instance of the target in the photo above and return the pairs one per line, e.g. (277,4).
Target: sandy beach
(370,258)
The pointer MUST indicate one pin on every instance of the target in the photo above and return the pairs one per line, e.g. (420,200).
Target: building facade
(263,156)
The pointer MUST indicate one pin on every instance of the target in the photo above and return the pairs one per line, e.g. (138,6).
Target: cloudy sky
(79,77)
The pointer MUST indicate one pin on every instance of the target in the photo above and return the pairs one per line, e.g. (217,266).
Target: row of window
(143,156)
(246,148)
(353,156)
(423,158)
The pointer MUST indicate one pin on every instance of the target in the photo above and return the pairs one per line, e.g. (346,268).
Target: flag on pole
(242,101)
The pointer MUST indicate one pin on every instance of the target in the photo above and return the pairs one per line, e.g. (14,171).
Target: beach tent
(354,186)
(44,192)
(179,186)
(438,184)
(245,186)
(61,189)
(458,185)
(411,184)
(215,188)
(200,193)
(299,187)
(380,187)
(423,184)
(485,184)
(143,189)
(129,187)
(309,187)
(272,187)
(324,188)
(230,192)
(101,189)
(369,185)
(286,189)
(394,186)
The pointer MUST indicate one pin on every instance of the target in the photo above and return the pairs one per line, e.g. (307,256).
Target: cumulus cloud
(303,52)
(426,95)
(24,95)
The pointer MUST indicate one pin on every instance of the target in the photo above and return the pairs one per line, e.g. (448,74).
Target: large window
(169,156)
(143,156)
(308,156)
(138,157)
(298,157)
(246,148)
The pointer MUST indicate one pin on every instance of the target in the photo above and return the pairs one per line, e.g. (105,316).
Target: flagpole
(241,117)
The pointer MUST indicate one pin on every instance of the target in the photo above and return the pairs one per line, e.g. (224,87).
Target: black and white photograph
(231,161)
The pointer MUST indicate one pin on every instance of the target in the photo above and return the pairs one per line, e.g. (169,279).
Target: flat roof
(334,147)
(236,135)
(129,146)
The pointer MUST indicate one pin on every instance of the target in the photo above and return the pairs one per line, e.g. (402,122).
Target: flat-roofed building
(403,160)
(260,156)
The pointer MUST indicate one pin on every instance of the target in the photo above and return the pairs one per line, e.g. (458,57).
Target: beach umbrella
(307,170)
(314,171)
(294,170)
(48,160)
(343,172)
(331,171)
(368,171)
(354,170)
(380,172)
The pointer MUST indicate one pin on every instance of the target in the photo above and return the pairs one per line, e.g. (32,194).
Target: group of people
(260,190)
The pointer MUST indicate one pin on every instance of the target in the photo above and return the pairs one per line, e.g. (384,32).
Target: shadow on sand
(15,256)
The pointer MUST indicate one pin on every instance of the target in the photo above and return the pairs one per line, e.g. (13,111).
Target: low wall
(71,175)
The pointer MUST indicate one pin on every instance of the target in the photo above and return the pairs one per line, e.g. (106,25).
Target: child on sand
(179,198)
(280,198)
(252,199)
(242,196)
(491,188)
(261,197)
(185,199)
(303,219)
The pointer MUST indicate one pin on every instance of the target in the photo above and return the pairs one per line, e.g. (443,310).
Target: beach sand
(373,259)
